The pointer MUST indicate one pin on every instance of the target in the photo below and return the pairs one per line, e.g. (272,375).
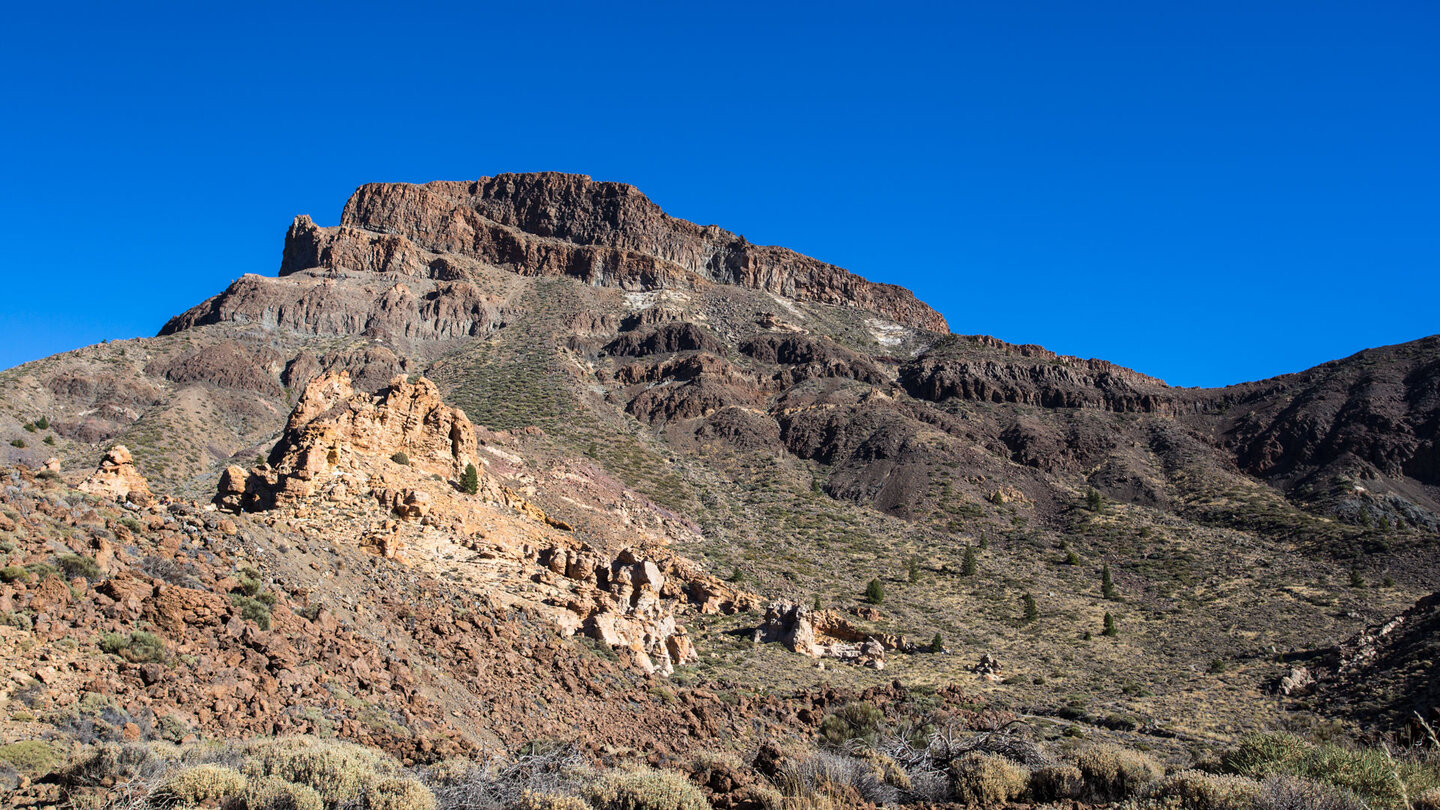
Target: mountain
(686,445)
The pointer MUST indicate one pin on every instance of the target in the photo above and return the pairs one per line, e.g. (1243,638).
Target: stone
(117,479)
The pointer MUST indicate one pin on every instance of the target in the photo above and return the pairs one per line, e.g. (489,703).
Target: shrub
(644,789)
(1107,584)
(937,644)
(530,800)
(1031,611)
(252,609)
(274,793)
(399,794)
(30,757)
(1195,790)
(20,443)
(200,784)
(470,480)
(1429,800)
(138,647)
(78,565)
(10,573)
(50,440)
(1057,782)
(1113,773)
(987,779)
(1110,628)
(401,458)
(1280,792)
(854,720)
(875,592)
(338,772)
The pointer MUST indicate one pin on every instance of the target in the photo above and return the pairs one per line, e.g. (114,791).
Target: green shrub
(40,570)
(644,789)
(18,443)
(78,565)
(10,573)
(201,784)
(31,757)
(1107,584)
(401,458)
(1113,773)
(1110,628)
(274,793)
(470,480)
(1196,790)
(987,779)
(854,720)
(875,592)
(43,423)
(252,609)
(969,566)
(138,647)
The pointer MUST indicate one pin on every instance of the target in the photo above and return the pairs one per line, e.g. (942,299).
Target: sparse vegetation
(875,592)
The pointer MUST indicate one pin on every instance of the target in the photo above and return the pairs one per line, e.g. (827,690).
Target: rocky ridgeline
(342,449)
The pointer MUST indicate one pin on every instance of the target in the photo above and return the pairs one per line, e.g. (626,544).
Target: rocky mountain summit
(508,442)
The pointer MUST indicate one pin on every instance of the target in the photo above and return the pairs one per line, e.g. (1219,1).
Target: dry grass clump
(199,785)
(341,773)
(1113,773)
(843,780)
(987,779)
(1196,790)
(644,789)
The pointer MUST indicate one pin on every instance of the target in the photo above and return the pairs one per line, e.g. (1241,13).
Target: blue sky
(1206,192)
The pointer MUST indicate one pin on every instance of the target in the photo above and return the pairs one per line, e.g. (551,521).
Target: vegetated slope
(815,431)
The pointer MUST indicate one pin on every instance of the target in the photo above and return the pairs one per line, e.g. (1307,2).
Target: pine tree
(875,592)
(1356,581)
(817,605)
(1027,603)
(1107,585)
(984,541)
(470,480)
(969,566)
(937,644)
(1071,558)
(1110,629)
(914,573)
(1093,501)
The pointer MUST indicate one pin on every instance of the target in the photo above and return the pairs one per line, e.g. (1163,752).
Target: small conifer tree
(969,566)
(937,644)
(1110,629)
(875,592)
(1093,502)
(1032,612)
(470,480)
(1356,581)
(984,541)
(817,605)
(914,574)
(1107,585)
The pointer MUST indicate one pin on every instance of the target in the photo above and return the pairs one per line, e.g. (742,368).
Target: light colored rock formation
(117,479)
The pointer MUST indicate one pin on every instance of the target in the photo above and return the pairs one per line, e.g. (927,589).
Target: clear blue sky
(1207,192)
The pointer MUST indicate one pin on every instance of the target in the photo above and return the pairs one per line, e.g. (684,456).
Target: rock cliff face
(606,233)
